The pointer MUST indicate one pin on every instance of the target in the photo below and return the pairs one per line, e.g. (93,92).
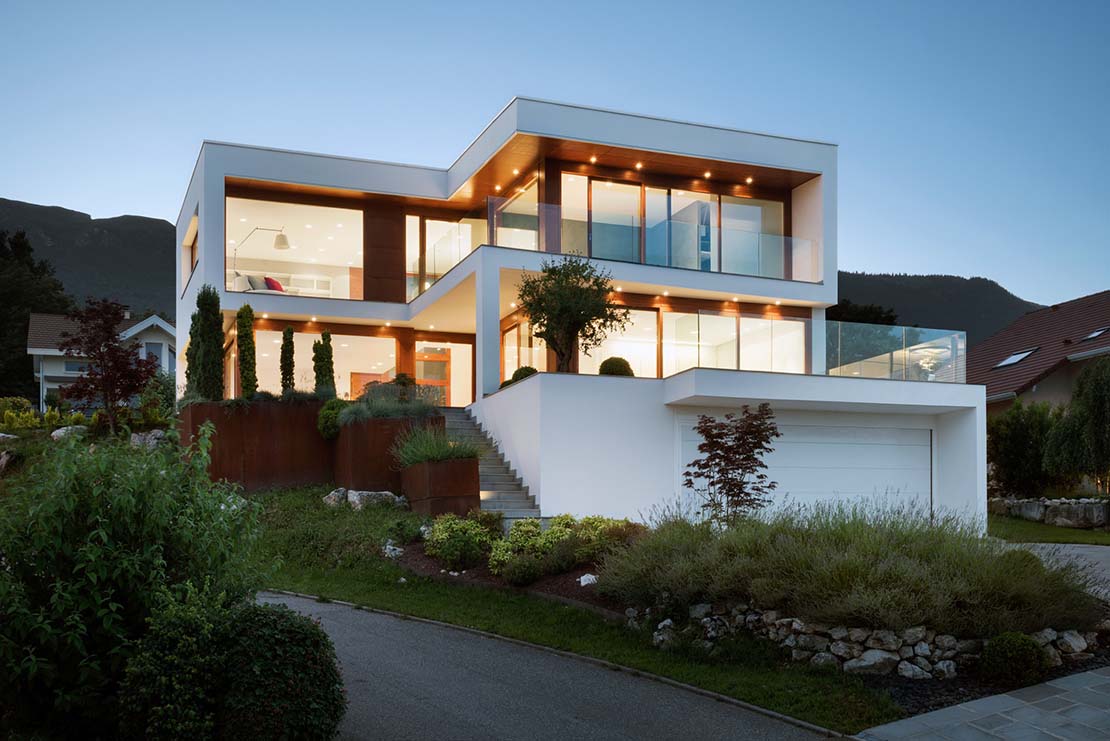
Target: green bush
(854,565)
(93,537)
(21,420)
(282,677)
(327,421)
(170,690)
(523,569)
(375,408)
(1013,659)
(1016,442)
(615,367)
(422,444)
(458,543)
(591,536)
(491,521)
(522,372)
(14,404)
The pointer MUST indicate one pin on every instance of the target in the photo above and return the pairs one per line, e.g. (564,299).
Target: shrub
(492,522)
(523,569)
(323,366)
(23,420)
(170,689)
(365,409)
(14,404)
(94,537)
(287,362)
(1016,443)
(520,373)
(157,401)
(51,419)
(422,444)
(861,565)
(589,538)
(283,678)
(458,543)
(615,367)
(327,421)
(1013,659)
(244,339)
(205,355)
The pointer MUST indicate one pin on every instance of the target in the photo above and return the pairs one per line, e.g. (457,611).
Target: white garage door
(814,462)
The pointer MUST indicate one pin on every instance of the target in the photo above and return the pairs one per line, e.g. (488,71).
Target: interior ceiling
(317,235)
(516,163)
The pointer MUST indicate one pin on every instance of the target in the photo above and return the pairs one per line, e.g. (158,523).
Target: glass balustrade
(896,353)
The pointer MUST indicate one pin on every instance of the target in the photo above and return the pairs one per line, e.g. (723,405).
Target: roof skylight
(1096,333)
(1016,357)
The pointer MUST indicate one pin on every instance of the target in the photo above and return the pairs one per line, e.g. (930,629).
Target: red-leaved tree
(115,373)
(729,476)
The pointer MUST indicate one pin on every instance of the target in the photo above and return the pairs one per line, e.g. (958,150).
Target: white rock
(912,671)
(392,550)
(845,650)
(823,659)
(885,640)
(402,580)
(425,531)
(839,633)
(872,661)
(946,642)
(1070,642)
(922,649)
(944,669)
(63,432)
(452,573)
(148,440)
(358,499)
(6,436)
(697,612)
(1053,656)
(913,635)
(586,580)
(1044,637)
(336,497)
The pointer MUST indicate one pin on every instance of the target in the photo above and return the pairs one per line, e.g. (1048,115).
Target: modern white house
(154,336)
(722,243)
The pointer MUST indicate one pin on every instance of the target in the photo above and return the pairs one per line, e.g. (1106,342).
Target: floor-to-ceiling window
(638,344)
(357,360)
(614,220)
(519,348)
(445,369)
(751,237)
(517,218)
(575,215)
(443,244)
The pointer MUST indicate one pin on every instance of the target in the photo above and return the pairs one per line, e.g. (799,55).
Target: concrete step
(500,485)
(499,478)
(517,514)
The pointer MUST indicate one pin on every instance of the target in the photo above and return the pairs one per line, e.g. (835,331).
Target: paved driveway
(1098,556)
(412,680)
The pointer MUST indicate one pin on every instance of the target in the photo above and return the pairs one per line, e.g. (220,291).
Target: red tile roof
(1056,331)
(44,331)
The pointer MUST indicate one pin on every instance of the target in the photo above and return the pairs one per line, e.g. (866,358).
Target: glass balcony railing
(895,353)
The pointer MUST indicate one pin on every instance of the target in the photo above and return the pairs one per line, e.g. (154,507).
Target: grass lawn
(1017,530)
(332,553)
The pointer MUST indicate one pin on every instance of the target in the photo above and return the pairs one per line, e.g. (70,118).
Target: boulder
(664,634)
(906,652)
(839,633)
(944,669)
(998,506)
(873,661)
(336,497)
(913,635)
(699,611)
(1077,514)
(825,659)
(922,662)
(912,671)
(858,635)
(885,640)
(391,549)
(923,649)
(800,655)
(359,499)
(148,440)
(946,642)
(1070,642)
(845,650)
(813,642)
(1077,658)
(1029,509)
(64,432)
(1044,637)
(586,580)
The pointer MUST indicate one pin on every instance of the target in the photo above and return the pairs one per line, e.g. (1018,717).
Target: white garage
(839,456)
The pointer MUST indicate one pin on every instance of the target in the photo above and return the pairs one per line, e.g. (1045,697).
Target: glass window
(657,226)
(293,248)
(788,345)
(445,368)
(751,237)
(510,352)
(447,243)
(173,362)
(518,221)
(76,366)
(637,344)
(693,230)
(412,257)
(615,221)
(574,237)
(358,361)
(520,348)
(717,340)
(154,350)
(756,343)
(680,342)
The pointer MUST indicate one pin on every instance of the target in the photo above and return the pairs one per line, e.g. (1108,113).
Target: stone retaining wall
(914,653)
(1077,513)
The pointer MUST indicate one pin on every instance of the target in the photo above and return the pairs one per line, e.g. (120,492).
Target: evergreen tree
(192,365)
(210,345)
(26,285)
(244,335)
(287,359)
(323,365)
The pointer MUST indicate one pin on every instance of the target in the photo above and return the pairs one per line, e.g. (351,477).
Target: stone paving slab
(1072,707)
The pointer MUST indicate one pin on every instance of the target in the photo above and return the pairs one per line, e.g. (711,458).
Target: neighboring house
(53,370)
(721,242)
(1040,355)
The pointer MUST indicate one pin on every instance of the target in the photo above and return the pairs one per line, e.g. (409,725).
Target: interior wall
(807,222)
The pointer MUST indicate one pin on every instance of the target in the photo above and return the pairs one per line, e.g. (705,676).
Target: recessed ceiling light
(749,180)
(778,303)
(512,304)
(330,237)
(708,174)
(593,160)
(344,344)
(265,354)
(639,165)
(276,342)
(313,318)
(497,187)
(231,241)
(431,326)
(321,249)
(389,324)
(619,289)
(516,171)
(242,218)
(308,226)
(266,316)
(349,263)
(666,293)
(735,298)
(339,226)
(680,192)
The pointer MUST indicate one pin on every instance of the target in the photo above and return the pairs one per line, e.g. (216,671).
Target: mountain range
(132,258)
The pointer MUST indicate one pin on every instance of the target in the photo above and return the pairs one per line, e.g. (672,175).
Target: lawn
(1017,530)
(333,554)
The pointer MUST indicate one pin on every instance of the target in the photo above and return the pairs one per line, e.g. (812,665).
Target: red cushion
(273,285)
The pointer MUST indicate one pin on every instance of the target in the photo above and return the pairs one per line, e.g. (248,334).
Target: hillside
(127,258)
(978,306)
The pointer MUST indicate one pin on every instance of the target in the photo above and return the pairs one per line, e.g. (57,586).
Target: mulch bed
(558,586)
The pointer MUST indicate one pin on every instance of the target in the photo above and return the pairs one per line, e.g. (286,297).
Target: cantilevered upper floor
(743,214)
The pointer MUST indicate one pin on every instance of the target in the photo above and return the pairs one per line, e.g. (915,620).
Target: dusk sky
(974,136)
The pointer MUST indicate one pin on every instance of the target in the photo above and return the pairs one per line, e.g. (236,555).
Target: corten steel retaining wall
(443,487)
(263,444)
(362,453)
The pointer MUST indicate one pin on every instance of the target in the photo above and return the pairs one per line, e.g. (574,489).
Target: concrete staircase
(501,489)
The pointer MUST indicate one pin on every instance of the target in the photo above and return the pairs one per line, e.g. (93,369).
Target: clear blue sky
(974,136)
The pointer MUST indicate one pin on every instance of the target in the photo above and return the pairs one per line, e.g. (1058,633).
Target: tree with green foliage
(1016,441)
(207,332)
(192,365)
(568,304)
(847,311)
(244,337)
(323,365)
(1067,457)
(27,286)
(1092,398)
(287,359)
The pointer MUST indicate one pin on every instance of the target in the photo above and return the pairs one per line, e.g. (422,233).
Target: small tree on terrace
(568,306)
(287,359)
(244,335)
(323,365)
(115,372)
(729,476)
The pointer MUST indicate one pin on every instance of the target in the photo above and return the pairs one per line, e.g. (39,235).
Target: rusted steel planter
(264,444)
(362,452)
(442,487)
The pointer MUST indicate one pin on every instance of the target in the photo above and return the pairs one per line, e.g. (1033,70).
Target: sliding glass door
(614,220)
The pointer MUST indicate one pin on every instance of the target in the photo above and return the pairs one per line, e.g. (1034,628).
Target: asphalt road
(412,680)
